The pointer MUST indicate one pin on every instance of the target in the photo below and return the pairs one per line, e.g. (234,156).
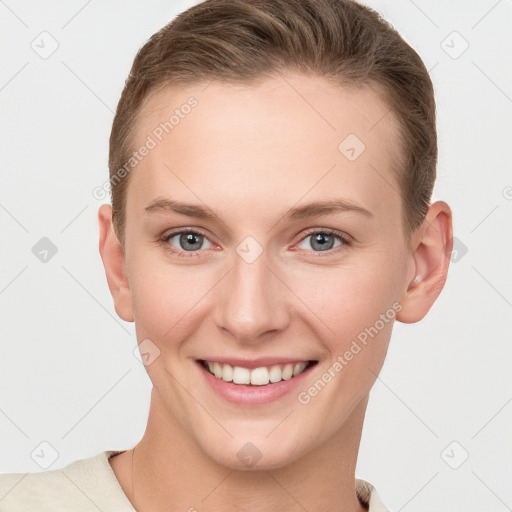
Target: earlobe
(113,257)
(432,248)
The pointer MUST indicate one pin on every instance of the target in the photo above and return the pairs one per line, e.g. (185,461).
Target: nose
(253,303)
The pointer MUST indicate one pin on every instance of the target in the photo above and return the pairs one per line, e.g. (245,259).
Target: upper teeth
(257,376)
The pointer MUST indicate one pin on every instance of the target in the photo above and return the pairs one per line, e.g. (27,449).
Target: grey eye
(189,241)
(321,241)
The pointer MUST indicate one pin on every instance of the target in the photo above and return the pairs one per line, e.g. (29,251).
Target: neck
(169,468)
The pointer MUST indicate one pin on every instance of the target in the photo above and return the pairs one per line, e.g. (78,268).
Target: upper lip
(255,363)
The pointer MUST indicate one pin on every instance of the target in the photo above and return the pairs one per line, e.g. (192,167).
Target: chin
(256,455)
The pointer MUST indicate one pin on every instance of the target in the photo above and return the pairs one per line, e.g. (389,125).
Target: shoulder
(84,485)
(368,496)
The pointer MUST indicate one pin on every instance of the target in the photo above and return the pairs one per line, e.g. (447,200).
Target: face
(232,267)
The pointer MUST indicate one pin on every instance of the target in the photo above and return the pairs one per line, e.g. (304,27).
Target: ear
(432,245)
(112,254)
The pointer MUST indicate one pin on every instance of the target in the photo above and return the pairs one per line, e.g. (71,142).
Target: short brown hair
(246,41)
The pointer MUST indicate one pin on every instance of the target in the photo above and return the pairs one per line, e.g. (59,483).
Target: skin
(249,154)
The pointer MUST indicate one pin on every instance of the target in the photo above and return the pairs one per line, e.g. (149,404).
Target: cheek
(339,303)
(166,297)
(346,300)
(354,310)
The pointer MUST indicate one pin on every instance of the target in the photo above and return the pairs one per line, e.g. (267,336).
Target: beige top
(89,485)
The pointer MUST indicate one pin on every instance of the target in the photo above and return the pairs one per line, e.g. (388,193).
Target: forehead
(280,140)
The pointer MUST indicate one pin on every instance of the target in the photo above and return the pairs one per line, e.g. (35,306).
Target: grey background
(68,375)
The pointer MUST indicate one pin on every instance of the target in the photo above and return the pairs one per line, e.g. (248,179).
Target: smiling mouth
(260,376)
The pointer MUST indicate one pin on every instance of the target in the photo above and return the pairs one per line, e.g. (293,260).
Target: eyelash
(344,239)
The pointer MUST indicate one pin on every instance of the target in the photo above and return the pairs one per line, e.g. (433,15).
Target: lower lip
(242,394)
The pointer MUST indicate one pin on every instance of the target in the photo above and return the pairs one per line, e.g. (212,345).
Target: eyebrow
(190,210)
(299,212)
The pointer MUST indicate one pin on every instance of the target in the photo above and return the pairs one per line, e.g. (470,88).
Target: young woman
(271,166)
